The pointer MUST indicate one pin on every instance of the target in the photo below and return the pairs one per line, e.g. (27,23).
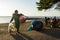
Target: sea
(6,19)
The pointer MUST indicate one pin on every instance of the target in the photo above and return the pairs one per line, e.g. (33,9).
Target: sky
(27,7)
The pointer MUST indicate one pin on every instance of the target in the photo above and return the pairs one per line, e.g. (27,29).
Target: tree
(58,6)
(46,4)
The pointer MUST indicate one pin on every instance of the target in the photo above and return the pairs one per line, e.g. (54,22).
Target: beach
(47,34)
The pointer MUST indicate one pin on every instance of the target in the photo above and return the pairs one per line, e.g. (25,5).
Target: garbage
(22,19)
(34,21)
(30,28)
(37,25)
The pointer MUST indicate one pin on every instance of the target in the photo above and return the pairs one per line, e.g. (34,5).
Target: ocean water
(5,19)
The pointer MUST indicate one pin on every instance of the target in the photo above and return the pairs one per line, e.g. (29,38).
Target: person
(46,21)
(54,22)
(16,16)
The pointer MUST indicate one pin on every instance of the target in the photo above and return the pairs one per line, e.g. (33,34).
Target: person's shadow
(20,36)
(52,32)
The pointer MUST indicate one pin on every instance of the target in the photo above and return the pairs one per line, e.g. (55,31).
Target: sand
(47,34)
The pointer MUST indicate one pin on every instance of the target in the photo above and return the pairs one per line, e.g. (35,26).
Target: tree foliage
(46,4)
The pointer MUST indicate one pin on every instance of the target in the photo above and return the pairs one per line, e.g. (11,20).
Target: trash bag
(34,22)
(38,25)
(22,19)
(30,28)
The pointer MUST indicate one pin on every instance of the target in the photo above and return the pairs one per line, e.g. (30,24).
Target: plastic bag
(30,28)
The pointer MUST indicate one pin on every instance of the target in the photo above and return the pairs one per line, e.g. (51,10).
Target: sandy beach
(48,34)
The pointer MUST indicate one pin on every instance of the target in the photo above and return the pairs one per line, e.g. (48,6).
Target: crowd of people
(52,22)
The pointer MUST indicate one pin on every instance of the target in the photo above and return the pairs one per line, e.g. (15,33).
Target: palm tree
(46,4)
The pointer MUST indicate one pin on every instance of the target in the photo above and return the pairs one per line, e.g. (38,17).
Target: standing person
(54,22)
(46,22)
(15,16)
